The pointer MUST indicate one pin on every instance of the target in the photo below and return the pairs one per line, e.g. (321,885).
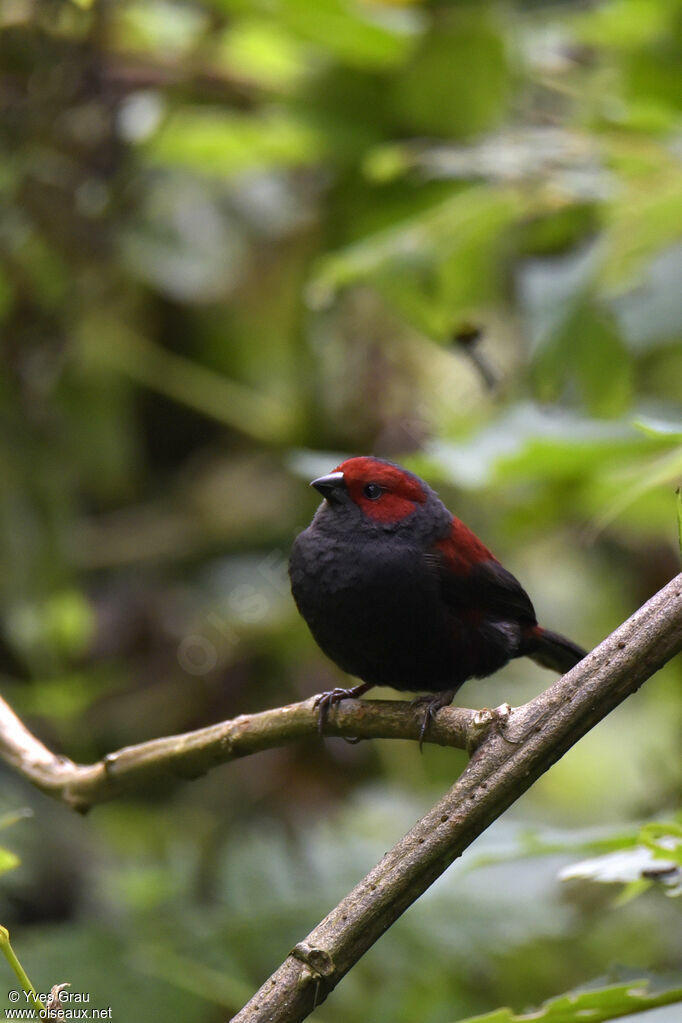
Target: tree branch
(507,760)
(503,767)
(194,753)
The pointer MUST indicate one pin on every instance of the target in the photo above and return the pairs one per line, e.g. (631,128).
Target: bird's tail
(554,651)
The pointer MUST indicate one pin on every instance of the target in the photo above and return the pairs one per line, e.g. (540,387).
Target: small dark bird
(398,592)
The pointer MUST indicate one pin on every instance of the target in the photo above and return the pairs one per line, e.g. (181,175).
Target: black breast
(376,611)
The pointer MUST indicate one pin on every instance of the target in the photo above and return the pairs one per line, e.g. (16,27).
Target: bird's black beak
(330,486)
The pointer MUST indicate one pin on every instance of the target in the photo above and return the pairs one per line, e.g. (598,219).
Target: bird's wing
(501,593)
(471,579)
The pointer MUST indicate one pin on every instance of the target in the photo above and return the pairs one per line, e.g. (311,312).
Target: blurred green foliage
(608,1002)
(236,242)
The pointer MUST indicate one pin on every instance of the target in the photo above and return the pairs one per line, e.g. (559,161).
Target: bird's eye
(372,491)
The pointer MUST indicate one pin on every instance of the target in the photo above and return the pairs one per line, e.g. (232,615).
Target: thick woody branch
(503,767)
(194,753)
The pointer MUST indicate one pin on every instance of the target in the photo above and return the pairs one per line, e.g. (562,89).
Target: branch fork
(510,749)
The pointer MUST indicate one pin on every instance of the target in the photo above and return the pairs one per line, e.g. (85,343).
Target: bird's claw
(432,704)
(429,714)
(325,701)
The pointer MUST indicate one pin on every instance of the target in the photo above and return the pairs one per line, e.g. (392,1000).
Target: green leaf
(113,346)
(621,24)
(624,866)
(8,860)
(664,840)
(423,263)
(458,80)
(637,861)
(61,698)
(164,27)
(69,622)
(219,986)
(659,427)
(347,31)
(661,838)
(588,348)
(610,1001)
(7,820)
(641,222)
(263,52)
(213,141)
(529,442)
(640,478)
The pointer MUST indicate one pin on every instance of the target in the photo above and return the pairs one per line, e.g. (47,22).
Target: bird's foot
(432,703)
(325,701)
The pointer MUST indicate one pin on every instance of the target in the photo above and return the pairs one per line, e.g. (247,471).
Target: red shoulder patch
(462,549)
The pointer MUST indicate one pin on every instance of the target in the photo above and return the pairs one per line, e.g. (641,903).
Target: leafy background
(237,240)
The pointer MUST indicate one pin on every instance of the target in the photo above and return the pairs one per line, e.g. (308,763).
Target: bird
(399,592)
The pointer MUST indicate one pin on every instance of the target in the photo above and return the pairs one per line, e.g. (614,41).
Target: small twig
(192,754)
(467,337)
(19,971)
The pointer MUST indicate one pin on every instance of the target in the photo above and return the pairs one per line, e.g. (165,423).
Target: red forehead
(391,477)
(402,491)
